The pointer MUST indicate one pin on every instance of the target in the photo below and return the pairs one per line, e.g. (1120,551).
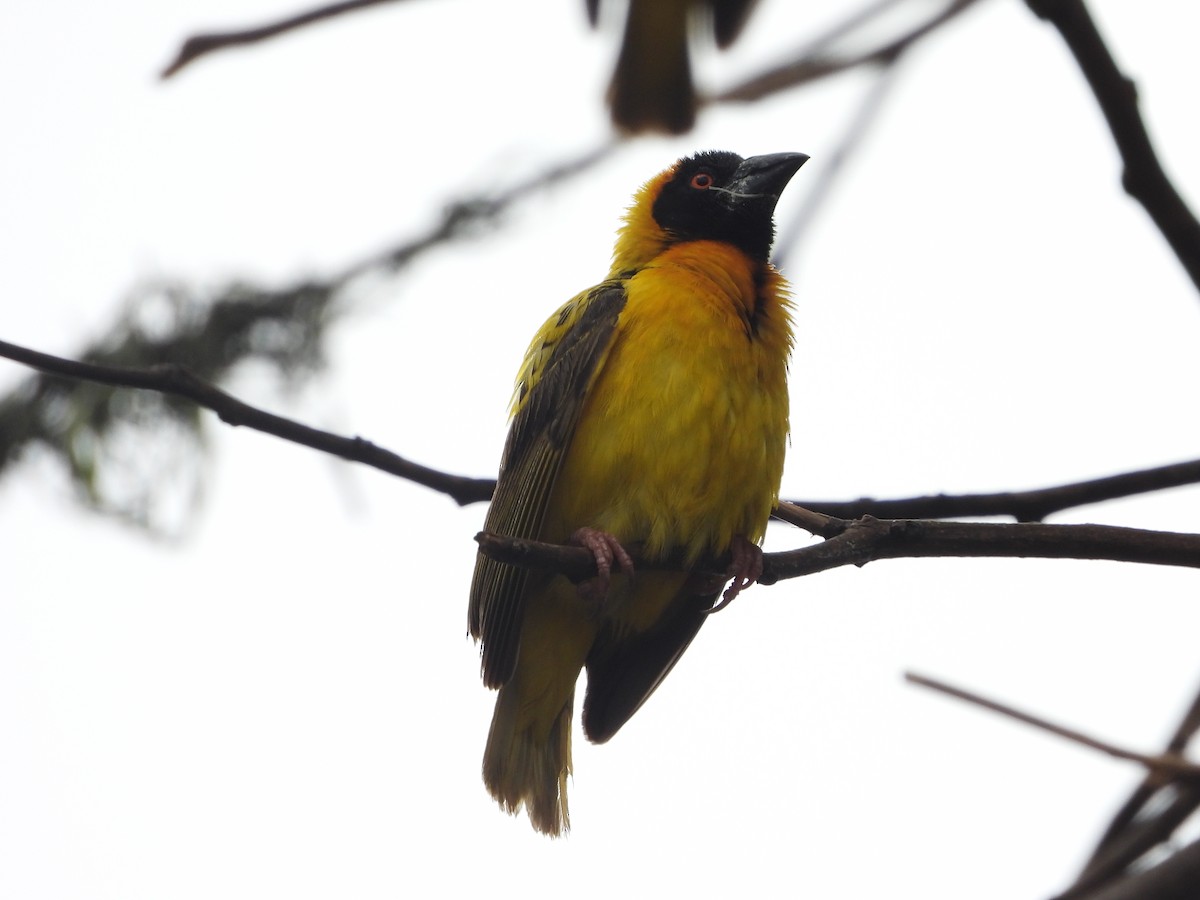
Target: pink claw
(606,550)
(746,568)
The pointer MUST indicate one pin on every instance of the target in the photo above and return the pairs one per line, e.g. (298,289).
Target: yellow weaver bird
(650,410)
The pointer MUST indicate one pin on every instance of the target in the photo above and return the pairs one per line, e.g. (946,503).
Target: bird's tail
(525,765)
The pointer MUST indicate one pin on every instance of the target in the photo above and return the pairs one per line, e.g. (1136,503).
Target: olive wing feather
(549,402)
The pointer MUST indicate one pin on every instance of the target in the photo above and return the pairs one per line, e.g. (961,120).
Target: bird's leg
(746,568)
(606,550)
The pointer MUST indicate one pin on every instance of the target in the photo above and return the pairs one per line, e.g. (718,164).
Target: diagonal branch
(1144,178)
(178,381)
(1164,766)
(1174,780)
(202,44)
(464,216)
(813,66)
(852,140)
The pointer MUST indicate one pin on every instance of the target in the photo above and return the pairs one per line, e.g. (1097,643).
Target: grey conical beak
(765,176)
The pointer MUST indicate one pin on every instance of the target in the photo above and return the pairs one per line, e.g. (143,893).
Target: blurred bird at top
(651,88)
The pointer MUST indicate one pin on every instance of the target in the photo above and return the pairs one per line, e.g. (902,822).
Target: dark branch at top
(1144,178)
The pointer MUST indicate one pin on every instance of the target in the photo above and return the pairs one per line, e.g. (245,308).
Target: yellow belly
(681,444)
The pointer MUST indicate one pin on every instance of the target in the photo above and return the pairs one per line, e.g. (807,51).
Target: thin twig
(1167,765)
(203,44)
(810,520)
(1024,506)
(462,216)
(856,19)
(851,140)
(809,67)
(1173,878)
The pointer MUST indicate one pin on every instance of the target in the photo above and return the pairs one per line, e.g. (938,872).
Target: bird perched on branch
(651,411)
(651,89)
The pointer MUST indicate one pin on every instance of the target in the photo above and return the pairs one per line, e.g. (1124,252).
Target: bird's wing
(624,672)
(559,370)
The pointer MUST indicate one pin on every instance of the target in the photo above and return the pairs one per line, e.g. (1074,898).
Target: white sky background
(286,704)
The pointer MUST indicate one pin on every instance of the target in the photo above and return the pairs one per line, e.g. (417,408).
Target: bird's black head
(720,196)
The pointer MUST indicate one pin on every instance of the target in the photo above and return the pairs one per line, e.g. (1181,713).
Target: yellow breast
(681,443)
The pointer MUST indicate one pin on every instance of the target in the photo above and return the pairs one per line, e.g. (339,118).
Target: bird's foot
(745,568)
(606,550)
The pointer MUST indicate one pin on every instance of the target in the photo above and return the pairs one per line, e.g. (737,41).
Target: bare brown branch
(869,539)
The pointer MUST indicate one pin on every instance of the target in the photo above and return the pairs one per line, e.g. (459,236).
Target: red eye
(702,181)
